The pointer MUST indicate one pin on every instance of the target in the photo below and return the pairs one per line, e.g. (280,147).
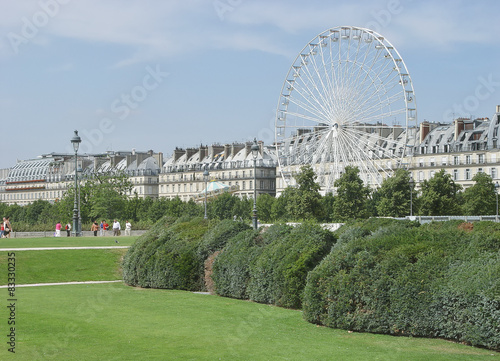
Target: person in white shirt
(128,228)
(116,228)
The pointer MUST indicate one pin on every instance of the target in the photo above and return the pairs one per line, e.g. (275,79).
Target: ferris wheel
(347,100)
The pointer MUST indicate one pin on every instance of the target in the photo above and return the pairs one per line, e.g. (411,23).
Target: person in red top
(105,227)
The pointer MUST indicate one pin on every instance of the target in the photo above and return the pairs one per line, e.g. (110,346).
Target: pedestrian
(68,229)
(94,228)
(101,227)
(116,228)
(105,227)
(58,229)
(7,227)
(128,228)
(2,229)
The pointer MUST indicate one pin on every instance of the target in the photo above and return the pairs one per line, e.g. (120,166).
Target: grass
(64,266)
(66,242)
(116,322)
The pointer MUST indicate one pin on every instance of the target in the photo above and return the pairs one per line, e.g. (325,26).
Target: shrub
(166,257)
(434,280)
(231,267)
(278,275)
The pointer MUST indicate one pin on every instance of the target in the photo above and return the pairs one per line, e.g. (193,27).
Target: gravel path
(58,248)
(63,283)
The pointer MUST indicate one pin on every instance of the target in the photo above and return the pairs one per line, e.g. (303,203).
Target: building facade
(462,148)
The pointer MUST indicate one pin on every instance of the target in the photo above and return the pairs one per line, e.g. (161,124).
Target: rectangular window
(444,161)
(467,159)
(456,160)
(433,162)
(480,158)
(455,174)
(493,173)
(467,174)
(421,162)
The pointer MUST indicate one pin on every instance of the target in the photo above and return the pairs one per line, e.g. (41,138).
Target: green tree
(480,199)
(265,204)
(352,195)
(440,196)
(102,196)
(394,195)
(305,201)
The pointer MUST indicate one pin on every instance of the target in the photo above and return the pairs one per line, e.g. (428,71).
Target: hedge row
(434,281)
(379,275)
(172,253)
(271,267)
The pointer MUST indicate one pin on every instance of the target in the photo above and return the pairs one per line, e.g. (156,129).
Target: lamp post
(496,193)
(205,177)
(76,140)
(255,152)
(411,183)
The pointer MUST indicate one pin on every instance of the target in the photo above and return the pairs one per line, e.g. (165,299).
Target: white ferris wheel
(347,100)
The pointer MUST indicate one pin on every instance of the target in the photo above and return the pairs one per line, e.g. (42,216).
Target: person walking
(2,229)
(7,227)
(101,226)
(68,229)
(58,229)
(128,228)
(94,228)
(116,228)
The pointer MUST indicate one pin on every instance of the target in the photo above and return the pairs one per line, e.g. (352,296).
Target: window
(493,172)
(467,174)
(467,159)
(455,174)
(456,160)
(433,162)
(261,185)
(444,161)
(480,158)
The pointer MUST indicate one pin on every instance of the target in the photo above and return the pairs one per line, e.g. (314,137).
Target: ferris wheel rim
(403,76)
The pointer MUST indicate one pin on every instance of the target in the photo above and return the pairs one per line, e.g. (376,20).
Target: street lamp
(76,140)
(255,152)
(496,192)
(411,183)
(205,177)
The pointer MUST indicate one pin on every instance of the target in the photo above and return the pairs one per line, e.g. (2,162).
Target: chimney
(459,127)
(227,149)
(214,149)
(178,152)
(424,130)
(159,159)
(190,152)
(203,152)
(235,148)
(498,108)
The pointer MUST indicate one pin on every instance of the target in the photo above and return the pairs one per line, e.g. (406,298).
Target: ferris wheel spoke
(345,102)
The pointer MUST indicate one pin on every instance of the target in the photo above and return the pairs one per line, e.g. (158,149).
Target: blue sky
(154,74)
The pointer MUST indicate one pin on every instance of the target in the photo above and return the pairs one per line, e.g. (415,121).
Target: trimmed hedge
(278,276)
(172,254)
(271,267)
(166,257)
(433,281)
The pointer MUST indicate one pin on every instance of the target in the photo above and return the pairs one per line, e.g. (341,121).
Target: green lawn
(64,265)
(116,322)
(66,242)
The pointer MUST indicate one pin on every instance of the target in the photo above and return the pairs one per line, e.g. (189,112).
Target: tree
(352,195)
(480,199)
(304,202)
(393,197)
(440,196)
(102,196)
(265,204)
